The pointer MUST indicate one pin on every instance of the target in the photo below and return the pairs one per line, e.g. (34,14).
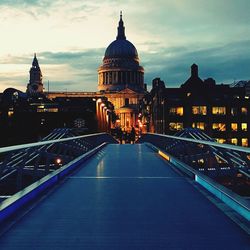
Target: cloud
(224,63)
(70,38)
(72,70)
(77,70)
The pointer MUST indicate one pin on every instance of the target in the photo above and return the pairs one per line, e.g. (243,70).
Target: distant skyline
(70,38)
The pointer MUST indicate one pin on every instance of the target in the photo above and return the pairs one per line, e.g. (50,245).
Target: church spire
(35,62)
(194,71)
(121,29)
(35,85)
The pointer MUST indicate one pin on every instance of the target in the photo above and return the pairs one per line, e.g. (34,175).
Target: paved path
(126,197)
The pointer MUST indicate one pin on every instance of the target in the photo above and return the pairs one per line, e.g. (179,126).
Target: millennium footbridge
(72,191)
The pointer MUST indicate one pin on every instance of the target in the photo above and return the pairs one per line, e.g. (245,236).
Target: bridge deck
(126,197)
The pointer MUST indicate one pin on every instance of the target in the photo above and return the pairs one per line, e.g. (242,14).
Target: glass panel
(234,126)
(199,110)
(244,110)
(221,140)
(234,141)
(176,111)
(219,126)
(244,126)
(244,142)
(174,126)
(199,125)
(219,110)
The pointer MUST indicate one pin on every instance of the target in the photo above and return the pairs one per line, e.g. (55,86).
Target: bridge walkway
(125,197)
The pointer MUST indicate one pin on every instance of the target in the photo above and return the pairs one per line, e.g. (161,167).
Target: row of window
(175,126)
(202,110)
(49,110)
(234,126)
(235,96)
(120,77)
(244,141)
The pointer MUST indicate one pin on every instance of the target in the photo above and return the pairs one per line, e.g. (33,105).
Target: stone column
(126,77)
(105,78)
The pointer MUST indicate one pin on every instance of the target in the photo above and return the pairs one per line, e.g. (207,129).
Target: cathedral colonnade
(121,77)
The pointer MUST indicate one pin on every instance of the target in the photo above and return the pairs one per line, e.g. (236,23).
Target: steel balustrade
(166,145)
(191,150)
(35,160)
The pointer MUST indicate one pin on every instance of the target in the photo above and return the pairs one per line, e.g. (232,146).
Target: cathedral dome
(120,68)
(121,48)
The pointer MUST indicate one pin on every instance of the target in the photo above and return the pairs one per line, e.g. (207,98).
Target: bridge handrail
(35,144)
(233,200)
(209,143)
(12,204)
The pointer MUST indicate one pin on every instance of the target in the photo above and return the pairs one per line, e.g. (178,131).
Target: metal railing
(200,152)
(175,149)
(21,165)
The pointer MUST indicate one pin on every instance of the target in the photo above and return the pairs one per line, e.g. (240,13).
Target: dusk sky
(70,38)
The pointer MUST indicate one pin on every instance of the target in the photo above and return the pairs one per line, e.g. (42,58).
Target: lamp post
(163,116)
(98,113)
(102,127)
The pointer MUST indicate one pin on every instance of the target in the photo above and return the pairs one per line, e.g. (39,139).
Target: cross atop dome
(121,29)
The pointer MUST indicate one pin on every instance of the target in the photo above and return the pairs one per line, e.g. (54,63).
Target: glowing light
(58,161)
(165,156)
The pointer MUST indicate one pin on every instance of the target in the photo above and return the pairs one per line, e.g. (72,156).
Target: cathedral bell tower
(35,85)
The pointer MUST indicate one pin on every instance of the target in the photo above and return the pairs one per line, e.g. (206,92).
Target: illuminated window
(200,125)
(234,141)
(201,161)
(10,112)
(244,126)
(199,110)
(221,140)
(50,110)
(219,126)
(176,111)
(244,111)
(175,126)
(244,142)
(219,110)
(234,111)
(234,126)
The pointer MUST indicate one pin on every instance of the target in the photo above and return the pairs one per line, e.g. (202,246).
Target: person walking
(132,135)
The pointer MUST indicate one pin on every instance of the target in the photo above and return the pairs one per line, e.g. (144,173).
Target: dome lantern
(121,29)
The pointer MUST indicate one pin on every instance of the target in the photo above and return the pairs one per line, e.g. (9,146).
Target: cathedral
(121,79)
(122,101)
